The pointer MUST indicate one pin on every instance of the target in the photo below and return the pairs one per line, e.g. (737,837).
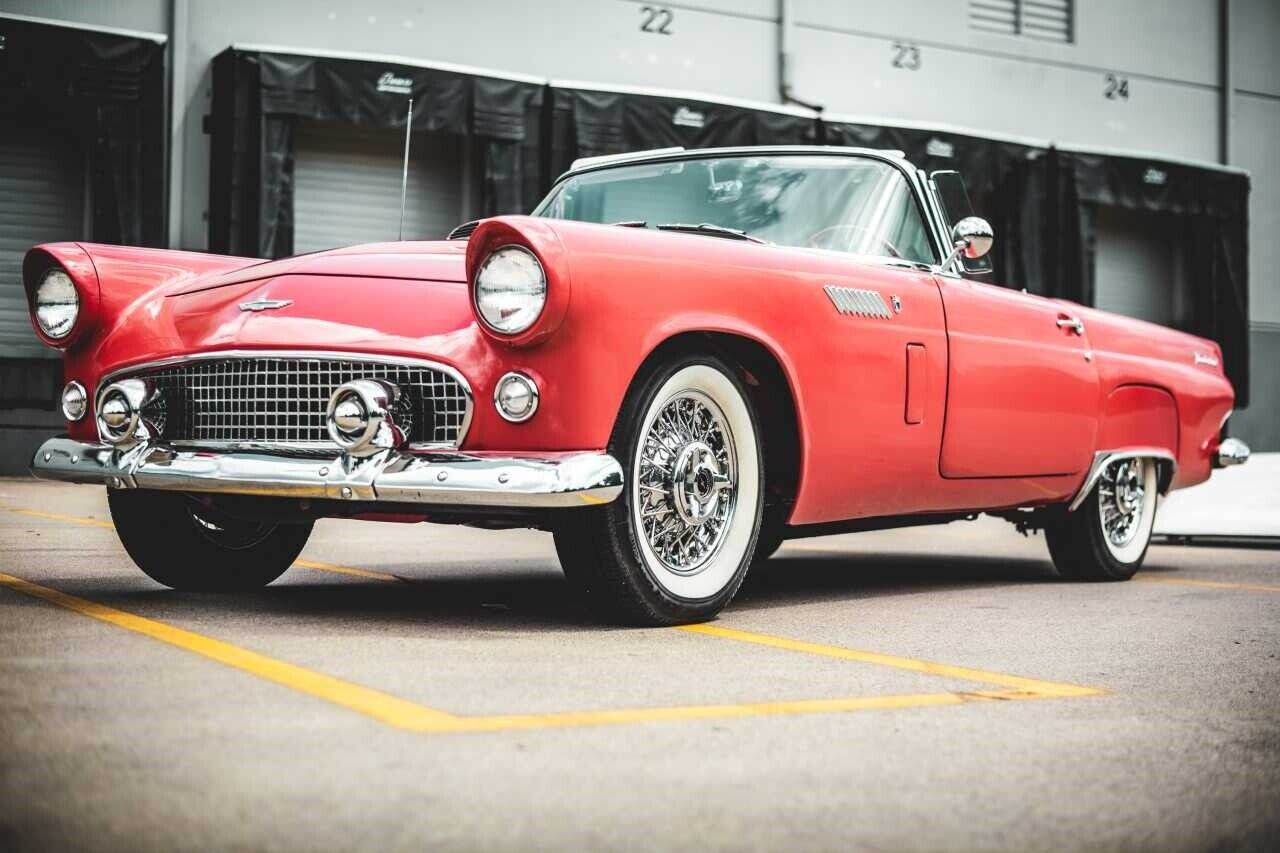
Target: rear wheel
(187,546)
(677,544)
(1106,538)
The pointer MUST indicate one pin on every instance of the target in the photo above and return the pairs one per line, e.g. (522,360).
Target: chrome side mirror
(971,238)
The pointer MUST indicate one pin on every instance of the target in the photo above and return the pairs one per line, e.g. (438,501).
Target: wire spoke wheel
(676,546)
(686,491)
(1106,538)
(1121,499)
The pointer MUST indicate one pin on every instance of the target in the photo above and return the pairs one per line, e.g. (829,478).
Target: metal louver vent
(1048,20)
(860,303)
(464,230)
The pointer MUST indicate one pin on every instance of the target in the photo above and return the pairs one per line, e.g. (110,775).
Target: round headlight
(57,304)
(510,290)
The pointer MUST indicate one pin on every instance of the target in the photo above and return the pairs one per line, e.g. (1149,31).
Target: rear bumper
(1232,451)
(453,479)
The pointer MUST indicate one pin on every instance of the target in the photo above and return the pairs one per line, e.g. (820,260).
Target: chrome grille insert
(280,398)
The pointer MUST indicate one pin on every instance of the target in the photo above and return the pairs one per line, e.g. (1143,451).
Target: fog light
(75,402)
(516,397)
(350,416)
(120,406)
(362,417)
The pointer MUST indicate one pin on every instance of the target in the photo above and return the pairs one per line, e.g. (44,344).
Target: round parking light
(516,397)
(75,401)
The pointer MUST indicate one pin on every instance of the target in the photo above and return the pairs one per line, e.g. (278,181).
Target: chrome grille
(283,399)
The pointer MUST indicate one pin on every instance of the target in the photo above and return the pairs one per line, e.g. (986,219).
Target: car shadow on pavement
(536,597)
(790,578)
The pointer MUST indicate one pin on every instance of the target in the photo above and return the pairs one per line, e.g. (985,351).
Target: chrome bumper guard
(443,478)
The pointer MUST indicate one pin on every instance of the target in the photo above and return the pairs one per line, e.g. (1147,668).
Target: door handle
(1075,324)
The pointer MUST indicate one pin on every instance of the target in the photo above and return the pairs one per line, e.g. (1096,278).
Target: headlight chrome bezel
(56,277)
(537,288)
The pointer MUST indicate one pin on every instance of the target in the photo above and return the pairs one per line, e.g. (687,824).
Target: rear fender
(1140,416)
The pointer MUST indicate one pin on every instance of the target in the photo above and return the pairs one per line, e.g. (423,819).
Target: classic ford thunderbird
(678,361)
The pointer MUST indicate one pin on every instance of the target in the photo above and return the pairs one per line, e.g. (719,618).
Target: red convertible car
(679,360)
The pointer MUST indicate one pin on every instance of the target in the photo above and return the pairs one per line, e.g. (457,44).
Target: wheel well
(771,396)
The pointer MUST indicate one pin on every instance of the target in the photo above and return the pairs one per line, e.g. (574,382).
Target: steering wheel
(815,240)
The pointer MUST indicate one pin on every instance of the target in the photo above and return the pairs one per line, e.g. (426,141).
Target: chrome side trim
(858,302)
(1103,458)
(348,355)
(522,481)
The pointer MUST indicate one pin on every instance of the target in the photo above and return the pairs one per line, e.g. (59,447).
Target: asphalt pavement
(427,687)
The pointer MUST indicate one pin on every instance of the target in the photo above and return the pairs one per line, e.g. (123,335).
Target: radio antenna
(404,175)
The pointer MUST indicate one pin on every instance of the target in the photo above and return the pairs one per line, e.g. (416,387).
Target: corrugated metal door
(1138,267)
(42,200)
(347,186)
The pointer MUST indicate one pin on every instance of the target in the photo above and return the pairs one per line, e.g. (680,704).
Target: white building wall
(842,57)
(1255,135)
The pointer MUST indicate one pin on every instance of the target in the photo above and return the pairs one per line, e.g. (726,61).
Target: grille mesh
(282,400)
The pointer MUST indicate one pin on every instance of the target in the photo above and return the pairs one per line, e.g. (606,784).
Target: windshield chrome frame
(928,207)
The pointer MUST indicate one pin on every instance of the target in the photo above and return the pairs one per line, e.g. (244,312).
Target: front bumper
(441,478)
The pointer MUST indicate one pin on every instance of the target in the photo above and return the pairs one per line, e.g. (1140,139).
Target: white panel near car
(43,200)
(347,186)
(1139,267)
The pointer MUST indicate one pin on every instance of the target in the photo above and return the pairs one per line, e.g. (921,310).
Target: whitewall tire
(677,545)
(1106,538)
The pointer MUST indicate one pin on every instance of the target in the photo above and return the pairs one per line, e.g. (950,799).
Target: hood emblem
(265,304)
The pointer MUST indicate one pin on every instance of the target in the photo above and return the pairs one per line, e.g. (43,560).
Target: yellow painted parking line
(404,714)
(409,715)
(306,564)
(348,570)
(56,516)
(371,703)
(1252,587)
(1017,683)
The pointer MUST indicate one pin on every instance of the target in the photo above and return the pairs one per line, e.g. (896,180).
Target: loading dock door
(347,186)
(1140,270)
(42,200)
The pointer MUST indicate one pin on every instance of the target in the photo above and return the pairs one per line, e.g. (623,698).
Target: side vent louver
(859,303)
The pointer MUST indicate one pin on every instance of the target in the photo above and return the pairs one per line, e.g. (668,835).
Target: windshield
(841,203)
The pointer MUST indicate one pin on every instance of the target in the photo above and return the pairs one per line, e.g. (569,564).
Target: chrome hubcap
(687,491)
(1121,495)
(696,483)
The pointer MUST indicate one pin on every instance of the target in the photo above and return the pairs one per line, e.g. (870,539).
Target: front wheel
(675,547)
(1106,538)
(187,546)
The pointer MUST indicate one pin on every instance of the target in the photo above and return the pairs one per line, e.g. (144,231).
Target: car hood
(297,310)
(442,260)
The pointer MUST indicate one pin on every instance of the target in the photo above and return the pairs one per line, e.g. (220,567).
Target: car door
(1022,388)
